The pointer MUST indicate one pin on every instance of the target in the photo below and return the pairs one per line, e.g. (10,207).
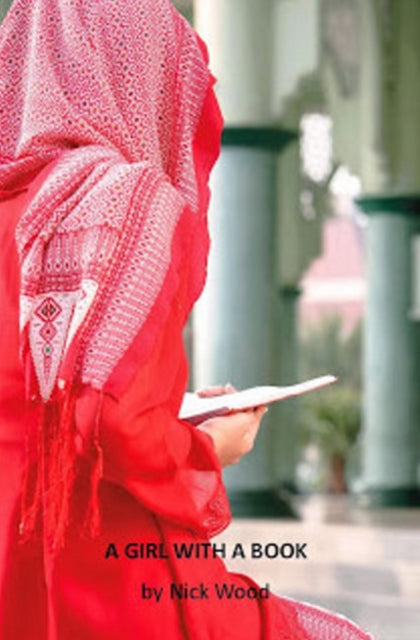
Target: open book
(195,409)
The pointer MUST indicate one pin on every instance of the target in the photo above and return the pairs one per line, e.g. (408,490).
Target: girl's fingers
(262,409)
(217,390)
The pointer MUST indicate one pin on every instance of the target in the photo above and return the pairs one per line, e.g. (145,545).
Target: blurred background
(314,269)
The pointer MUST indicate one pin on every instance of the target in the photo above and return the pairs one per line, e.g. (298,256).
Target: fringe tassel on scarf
(50,471)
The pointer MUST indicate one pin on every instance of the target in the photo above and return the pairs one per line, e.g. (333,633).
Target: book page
(196,409)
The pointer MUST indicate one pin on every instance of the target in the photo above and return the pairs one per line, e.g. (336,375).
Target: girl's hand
(218,390)
(233,435)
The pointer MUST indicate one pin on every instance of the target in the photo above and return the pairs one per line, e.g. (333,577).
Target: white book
(195,409)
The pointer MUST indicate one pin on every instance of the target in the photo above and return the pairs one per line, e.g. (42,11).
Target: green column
(4,7)
(392,355)
(235,325)
(284,442)
(234,322)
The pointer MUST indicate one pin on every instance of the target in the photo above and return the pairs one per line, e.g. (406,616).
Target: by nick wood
(186,550)
(203,591)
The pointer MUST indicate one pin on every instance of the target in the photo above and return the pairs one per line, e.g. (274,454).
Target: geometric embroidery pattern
(48,311)
(48,330)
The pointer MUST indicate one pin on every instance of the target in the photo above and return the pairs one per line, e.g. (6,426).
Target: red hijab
(111,93)
(101,101)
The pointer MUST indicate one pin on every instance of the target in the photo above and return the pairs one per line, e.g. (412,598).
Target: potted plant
(331,421)
(331,418)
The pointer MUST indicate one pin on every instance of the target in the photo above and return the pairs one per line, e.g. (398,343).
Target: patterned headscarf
(110,91)
(105,97)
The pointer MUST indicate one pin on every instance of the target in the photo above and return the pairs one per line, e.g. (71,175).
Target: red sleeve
(171,468)
(164,462)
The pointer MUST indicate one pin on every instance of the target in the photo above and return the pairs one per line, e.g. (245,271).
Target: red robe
(162,486)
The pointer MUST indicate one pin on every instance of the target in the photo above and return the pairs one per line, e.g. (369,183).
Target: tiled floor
(363,564)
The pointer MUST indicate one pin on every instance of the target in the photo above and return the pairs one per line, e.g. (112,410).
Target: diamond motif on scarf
(48,332)
(48,310)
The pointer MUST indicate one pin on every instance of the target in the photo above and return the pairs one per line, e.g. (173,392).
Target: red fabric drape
(162,485)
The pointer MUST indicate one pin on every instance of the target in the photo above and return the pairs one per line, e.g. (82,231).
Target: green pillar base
(399,497)
(263,503)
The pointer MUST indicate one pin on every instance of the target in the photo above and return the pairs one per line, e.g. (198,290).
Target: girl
(109,129)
